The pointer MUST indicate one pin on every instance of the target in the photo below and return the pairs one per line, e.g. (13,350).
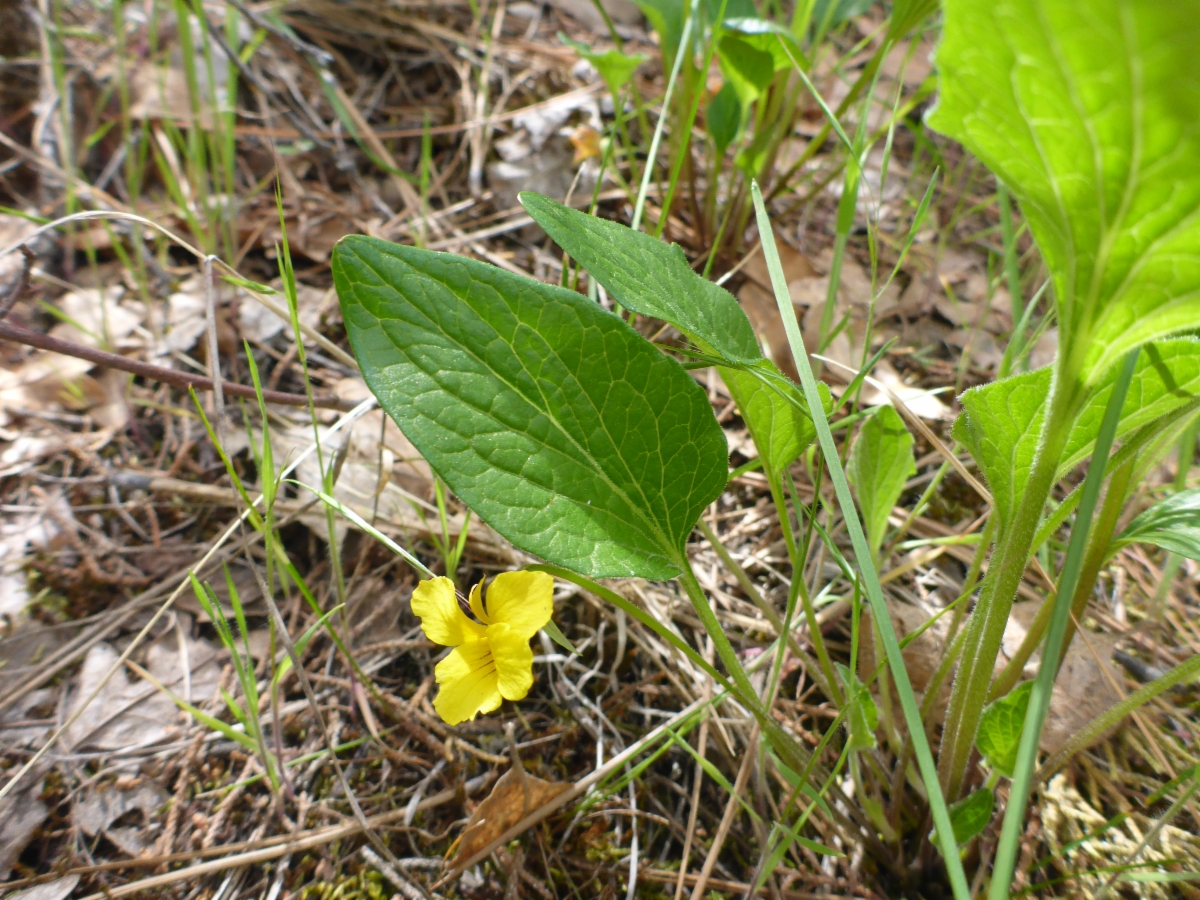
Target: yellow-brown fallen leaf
(586,141)
(515,796)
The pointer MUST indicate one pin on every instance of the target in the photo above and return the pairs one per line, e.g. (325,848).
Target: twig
(732,808)
(29,337)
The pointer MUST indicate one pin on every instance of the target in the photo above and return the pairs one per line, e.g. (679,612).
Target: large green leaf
(648,276)
(1000,728)
(556,422)
(1089,112)
(881,461)
(654,279)
(1001,421)
(1173,524)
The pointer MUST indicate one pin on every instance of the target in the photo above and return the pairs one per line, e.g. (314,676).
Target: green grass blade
(648,172)
(1039,700)
(867,574)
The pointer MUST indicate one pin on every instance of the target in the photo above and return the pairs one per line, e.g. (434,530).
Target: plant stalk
(986,629)
(867,574)
(1039,699)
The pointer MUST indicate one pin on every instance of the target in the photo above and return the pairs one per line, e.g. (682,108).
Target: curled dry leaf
(512,799)
(99,809)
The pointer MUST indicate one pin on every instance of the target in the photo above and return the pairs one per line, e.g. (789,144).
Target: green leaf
(555,634)
(723,118)
(666,18)
(840,12)
(563,428)
(908,14)
(781,428)
(768,37)
(749,69)
(1000,728)
(864,717)
(1173,524)
(614,66)
(970,815)
(1088,112)
(654,279)
(1001,421)
(881,461)
(648,276)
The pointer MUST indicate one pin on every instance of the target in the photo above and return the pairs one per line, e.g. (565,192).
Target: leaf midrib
(655,530)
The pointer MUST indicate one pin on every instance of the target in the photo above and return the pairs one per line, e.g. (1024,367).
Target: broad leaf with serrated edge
(1000,728)
(1089,113)
(1001,421)
(551,418)
(1173,524)
(881,461)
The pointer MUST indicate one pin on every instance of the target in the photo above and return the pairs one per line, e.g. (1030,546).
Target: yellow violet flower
(491,661)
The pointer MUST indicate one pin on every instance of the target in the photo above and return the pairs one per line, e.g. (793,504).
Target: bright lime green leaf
(723,118)
(781,429)
(648,276)
(864,717)
(614,66)
(1089,113)
(1001,421)
(749,69)
(1173,524)
(881,461)
(554,420)
(969,816)
(1000,728)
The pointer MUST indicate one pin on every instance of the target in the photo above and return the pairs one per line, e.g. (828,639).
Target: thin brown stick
(732,808)
(21,335)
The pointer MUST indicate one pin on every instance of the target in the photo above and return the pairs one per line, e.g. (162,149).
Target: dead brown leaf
(512,799)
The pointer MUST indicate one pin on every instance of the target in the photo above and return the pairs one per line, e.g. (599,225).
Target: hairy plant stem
(986,628)
(1097,553)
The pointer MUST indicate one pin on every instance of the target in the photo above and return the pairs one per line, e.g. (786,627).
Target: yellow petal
(468,683)
(477,604)
(514,660)
(441,618)
(522,600)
